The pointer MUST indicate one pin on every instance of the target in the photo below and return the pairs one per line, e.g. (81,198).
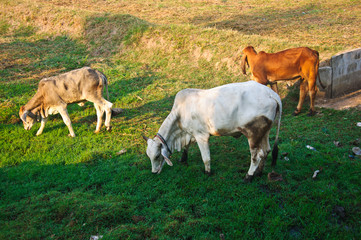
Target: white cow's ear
(164,154)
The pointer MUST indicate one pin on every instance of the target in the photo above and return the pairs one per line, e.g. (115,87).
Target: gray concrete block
(325,77)
(346,73)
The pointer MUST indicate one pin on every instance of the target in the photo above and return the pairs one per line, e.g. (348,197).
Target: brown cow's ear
(145,138)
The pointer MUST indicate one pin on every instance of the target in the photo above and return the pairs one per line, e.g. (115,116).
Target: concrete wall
(343,75)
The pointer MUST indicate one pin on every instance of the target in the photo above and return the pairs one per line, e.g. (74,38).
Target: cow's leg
(100,113)
(312,92)
(64,114)
(255,161)
(257,133)
(43,121)
(258,158)
(206,156)
(274,87)
(102,106)
(108,114)
(184,157)
(266,148)
(303,93)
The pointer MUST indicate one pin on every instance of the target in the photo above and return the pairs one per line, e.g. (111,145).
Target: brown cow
(295,63)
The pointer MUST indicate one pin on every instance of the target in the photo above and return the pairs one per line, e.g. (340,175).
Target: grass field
(56,187)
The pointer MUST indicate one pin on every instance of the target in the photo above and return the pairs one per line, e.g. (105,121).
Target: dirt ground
(351,100)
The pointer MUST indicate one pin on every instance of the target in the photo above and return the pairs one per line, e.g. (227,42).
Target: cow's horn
(145,138)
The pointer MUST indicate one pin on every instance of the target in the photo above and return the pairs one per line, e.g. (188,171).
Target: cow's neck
(175,137)
(35,102)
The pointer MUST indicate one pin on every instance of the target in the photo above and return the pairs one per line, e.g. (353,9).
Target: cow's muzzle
(159,169)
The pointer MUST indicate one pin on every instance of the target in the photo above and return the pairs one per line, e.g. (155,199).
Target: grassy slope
(56,187)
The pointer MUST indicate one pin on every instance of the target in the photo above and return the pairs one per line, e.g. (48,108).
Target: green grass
(56,187)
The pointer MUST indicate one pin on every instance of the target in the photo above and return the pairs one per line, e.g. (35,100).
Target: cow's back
(226,107)
(72,86)
(240,103)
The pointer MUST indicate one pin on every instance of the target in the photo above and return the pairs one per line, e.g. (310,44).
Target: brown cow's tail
(275,145)
(243,63)
(318,70)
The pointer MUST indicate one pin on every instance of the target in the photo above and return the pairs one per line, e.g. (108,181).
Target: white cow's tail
(275,145)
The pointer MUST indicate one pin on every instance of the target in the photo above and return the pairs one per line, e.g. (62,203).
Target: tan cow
(55,93)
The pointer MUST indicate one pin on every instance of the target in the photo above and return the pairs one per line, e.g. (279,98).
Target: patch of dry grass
(311,23)
(304,22)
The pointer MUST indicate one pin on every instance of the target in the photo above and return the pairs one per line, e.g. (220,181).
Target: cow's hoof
(185,163)
(70,135)
(109,129)
(97,131)
(311,113)
(248,178)
(208,173)
(296,112)
(184,158)
(257,173)
(117,111)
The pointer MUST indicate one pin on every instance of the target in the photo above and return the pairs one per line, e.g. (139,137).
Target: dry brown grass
(201,34)
(331,22)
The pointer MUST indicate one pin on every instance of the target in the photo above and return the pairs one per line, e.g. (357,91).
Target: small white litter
(121,152)
(310,147)
(96,237)
(358,124)
(356,150)
(315,174)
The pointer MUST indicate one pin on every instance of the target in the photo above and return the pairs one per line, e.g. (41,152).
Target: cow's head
(27,117)
(158,154)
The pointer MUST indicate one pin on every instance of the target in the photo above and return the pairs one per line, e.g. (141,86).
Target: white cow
(234,109)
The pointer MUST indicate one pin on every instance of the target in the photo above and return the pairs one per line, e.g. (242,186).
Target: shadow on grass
(266,21)
(108,33)
(153,109)
(24,59)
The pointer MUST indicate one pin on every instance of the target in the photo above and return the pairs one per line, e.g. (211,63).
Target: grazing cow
(55,93)
(295,63)
(234,109)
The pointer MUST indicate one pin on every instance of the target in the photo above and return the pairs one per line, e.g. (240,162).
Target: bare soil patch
(351,100)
